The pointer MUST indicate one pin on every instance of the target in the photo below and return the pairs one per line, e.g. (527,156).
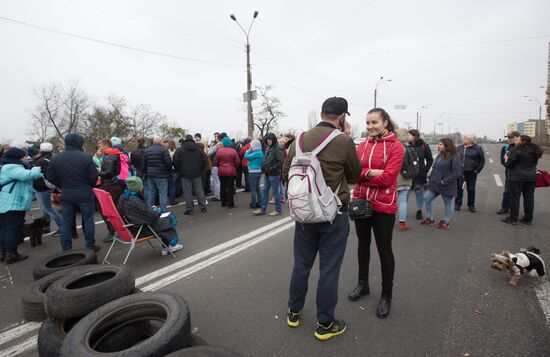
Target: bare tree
(75,106)
(144,121)
(269,112)
(41,127)
(50,104)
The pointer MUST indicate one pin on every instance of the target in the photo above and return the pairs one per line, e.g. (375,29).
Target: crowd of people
(385,168)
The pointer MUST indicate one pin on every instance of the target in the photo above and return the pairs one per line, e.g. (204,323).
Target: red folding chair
(125,236)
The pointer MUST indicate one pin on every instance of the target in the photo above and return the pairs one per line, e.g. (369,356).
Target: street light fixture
(419,115)
(533,99)
(248,73)
(381,80)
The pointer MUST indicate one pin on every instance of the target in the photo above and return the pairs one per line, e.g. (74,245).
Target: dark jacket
(473,158)
(273,159)
(110,167)
(73,171)
(503,151)
(522,163)
(42,161)
(444,175)
(136,159)
(157,162)
(190,160)
(425,160)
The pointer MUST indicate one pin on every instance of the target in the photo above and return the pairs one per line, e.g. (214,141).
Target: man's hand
(347,128)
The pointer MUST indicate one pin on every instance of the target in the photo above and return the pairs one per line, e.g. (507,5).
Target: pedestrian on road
(473,160)
(214,147)
(244,164)
(522,161)
(227,161)
(75,173)
(505,204)
(137,156)
(255,157)
(174,186)
(446,170)
(190,161)
(381,156)
(156,169)
(273,164)
(15,200)
(403,184)
(43,190)
(425,161)
(339,166)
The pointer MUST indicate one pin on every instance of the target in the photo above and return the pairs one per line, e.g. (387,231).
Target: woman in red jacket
(227,161)
(381,156)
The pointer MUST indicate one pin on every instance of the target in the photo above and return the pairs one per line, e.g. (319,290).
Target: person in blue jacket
(15,199)
(255,157)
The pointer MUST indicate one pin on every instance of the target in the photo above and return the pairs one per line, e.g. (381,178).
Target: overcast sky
(473,61)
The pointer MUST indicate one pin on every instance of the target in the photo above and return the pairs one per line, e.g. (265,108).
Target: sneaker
(419,214)
(258,212)
(293,318)
(336,327)
(272,201)
(173,248)
(524,221)
(509,220)
(502,211)
(442,225)
(403,226)
(427,222)
(274,213)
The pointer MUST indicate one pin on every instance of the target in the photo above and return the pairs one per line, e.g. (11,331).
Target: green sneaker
(293,318)
(336,327)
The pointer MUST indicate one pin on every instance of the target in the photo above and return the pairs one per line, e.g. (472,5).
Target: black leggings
(382,225)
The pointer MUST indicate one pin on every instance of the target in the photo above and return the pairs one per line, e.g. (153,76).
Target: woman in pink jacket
(381,156)
(227,161)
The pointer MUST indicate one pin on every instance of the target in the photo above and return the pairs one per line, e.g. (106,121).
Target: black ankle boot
(384,307)
(361,289)
(14,257)
(2,255)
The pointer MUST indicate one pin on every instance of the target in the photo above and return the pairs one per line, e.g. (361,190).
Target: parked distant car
(358,141)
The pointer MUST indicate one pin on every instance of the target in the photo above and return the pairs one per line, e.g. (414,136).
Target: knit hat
(14,154)
(74,140)
(46,147)
(227,142)
(134,184)
(32,150)
(256,145)
(116,141)
(402,135)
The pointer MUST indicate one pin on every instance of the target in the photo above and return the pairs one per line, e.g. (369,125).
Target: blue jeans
(157,186)
(282,190)
(48,212)
(174,190)
(402,197)
(329,240)
(419,194)
(11,227)
(274,181)
(68,213)
(447,200)
(255,191)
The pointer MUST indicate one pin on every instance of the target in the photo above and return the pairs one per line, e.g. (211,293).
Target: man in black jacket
(190,161)
(136,158)
(75,173)
(156,170)
(43,189)
(505,204)
(473,160)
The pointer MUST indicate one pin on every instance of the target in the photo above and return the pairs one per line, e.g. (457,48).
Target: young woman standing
(381,156)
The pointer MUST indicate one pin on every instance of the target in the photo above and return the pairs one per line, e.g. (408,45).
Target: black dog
(34,231)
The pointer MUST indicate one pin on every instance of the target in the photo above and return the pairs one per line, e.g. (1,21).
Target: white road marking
(498,181)
(543,294)
(18,331)
(491,161)
(20,348)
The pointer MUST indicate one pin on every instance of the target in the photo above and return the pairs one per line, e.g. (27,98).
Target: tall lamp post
(533,99)
(381,80)
(248,73)
(419,115)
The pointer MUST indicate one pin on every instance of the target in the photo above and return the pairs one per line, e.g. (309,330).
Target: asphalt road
(234,273)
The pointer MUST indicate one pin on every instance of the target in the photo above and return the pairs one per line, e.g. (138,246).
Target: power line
(113,44)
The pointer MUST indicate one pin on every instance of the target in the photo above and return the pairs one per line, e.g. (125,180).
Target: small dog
(34,231)
(519,263)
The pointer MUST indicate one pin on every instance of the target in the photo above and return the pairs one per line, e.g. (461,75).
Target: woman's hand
(373,172)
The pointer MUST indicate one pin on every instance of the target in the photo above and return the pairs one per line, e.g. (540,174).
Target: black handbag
(360,209)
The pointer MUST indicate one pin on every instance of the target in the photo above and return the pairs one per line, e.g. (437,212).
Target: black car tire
(51,336)
(64,260)
(115,329)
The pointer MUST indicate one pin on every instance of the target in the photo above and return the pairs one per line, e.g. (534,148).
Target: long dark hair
(527,145)
(385,117)
(450,148)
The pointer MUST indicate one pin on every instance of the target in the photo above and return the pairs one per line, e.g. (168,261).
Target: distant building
(532,127)
(511,127)
(547,101)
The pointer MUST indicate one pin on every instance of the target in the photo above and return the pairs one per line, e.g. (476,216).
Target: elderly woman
(15,199)
(473,160)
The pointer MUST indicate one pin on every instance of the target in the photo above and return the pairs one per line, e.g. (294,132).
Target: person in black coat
(136,158)
(522,161)
(190,161)
(425,161)
(505,204)
(473,160)
(156,170)
(75,173)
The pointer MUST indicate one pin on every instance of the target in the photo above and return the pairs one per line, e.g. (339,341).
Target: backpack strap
(325,140)
(299,146)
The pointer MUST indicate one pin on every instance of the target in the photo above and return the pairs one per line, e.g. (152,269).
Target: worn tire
(64,260)
(104,332)
(196,340)
(204,351)
(51,336)
(86,289)
(32,300)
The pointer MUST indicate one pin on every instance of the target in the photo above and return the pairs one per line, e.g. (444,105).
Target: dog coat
(528,261)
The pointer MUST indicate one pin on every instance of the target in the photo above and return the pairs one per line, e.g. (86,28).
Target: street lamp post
(248,73)
(419,115)
(381,80)
(533,99)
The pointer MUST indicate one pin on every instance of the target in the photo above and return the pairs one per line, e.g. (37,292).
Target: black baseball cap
(513,134)
(335,105)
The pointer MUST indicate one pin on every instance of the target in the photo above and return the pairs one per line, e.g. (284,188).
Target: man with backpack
(328,236)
